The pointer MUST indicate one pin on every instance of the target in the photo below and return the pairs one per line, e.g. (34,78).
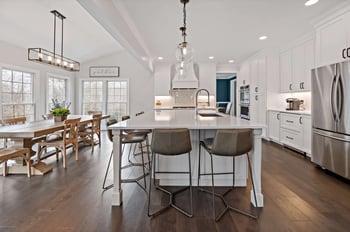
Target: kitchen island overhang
(200,127)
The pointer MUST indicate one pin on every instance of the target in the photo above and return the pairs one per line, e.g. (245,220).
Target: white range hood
(187,81)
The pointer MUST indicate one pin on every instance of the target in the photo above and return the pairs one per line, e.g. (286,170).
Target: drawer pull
(290,121)
(289,138)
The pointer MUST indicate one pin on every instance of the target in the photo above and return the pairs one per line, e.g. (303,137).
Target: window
(57,89)
(17,94)
(92,96)
(117,98)
(106,96)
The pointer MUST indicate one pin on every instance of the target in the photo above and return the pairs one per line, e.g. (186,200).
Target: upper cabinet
(258,75)
(332,36)
(162,79)
(295,67)
(244,72)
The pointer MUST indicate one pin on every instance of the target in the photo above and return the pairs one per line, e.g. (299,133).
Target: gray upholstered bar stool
(171,142)
(128,139)
(227,143)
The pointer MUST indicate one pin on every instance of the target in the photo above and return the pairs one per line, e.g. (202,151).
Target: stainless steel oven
(245,102)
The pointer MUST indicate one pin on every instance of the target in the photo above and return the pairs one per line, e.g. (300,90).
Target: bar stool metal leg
(104,187)
(171,194)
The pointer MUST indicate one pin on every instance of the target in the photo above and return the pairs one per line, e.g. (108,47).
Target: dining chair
(47,116)
(88,134)
(229,143)
(13,121)
(9,153)
(69,137)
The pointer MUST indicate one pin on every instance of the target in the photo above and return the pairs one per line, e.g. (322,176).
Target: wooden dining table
(34,131)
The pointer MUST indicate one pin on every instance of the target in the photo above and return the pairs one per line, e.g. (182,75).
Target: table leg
(256,166)
(117,195)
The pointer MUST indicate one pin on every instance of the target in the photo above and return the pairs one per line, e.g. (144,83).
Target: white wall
(141,85)
(16,57)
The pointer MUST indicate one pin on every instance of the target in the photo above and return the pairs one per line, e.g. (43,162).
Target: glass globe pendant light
(184,51)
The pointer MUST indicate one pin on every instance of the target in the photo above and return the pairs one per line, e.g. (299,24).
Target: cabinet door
(262,74)
(331,39)
(254,77)
(309,64)
(243,76)
(286,71)
(274,125)
(298,67)
(305,120)
(162,80)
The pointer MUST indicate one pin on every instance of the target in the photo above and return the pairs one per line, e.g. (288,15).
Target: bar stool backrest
(171,141)
(233,142)
(13,121)
(110,135)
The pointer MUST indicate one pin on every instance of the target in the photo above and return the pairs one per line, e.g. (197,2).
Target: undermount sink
(209,115)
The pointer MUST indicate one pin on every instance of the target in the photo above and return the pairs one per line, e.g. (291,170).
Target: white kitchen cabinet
(274,125)
(307,132)
(331,38)
(295,131)
(258,75)
(286,71)
(244,73)
(295,67)
(162,79)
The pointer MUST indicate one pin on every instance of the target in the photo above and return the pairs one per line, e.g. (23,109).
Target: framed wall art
(104,71)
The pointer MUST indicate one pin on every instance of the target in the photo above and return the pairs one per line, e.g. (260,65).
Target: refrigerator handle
(332,101)
(340,97)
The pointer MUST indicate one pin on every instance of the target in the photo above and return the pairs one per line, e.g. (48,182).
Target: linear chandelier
(52,58)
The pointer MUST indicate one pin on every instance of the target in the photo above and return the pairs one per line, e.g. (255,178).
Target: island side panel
(117,195)
(256,166)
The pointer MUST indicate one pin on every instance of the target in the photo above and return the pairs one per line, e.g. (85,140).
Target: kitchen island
(201,124)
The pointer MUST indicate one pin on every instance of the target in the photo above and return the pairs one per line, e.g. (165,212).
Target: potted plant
(60,110)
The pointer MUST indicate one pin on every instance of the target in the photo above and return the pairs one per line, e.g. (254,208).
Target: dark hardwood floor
(297,197)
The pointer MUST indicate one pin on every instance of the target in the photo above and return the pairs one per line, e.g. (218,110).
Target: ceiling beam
(113,17)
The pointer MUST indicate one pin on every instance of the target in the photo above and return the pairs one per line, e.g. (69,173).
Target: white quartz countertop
(185,119)
(304,112)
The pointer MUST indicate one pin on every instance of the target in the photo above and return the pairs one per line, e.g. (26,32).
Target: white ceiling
(29,23)
(225,29)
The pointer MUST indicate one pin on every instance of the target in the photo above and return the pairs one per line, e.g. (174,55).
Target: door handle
(302,85)
(278,116)
(290,121)
(289,138)
(256,89)
(290,86)
(300,121)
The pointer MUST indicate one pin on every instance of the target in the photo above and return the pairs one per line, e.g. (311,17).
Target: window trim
(104,97)
(57,76)
(35,84)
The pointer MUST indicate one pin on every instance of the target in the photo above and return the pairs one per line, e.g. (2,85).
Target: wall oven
(245,102)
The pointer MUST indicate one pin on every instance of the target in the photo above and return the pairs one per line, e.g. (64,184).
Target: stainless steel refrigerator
(331,117)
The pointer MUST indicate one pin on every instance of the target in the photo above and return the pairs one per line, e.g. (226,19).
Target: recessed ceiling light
(231,61)
(310,2)
(211,57)
(144,58)
(160,58)
(263,37)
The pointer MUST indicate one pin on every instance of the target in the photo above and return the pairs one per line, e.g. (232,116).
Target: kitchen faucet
(197,93)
